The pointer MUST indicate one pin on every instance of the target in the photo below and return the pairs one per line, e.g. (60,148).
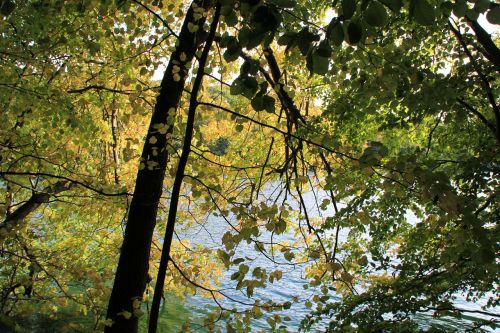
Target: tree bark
(179,176)
(132,271)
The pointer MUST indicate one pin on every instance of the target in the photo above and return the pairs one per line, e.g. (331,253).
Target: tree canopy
(357,140)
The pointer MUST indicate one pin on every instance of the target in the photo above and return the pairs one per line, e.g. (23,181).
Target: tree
(399,83)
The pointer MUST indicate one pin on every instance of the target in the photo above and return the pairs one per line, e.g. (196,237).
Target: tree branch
(492,52)
(484,80)
(36,199)
(44,174)
(478,114)
(157,16)
(277,129)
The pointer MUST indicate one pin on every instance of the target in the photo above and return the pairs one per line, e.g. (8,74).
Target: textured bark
(132,271)
(172,212)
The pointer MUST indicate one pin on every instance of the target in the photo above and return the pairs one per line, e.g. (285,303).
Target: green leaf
(249,67)
(337,34)
(481,6)
(233,50)
(284,3)
(243,269)
(250,86)
(247,7)
(7,8)
(269,103)
(256,38)
(394,5)
(224,257)
(471,14)
(236,87)
(446,8)
(276,275)
(226,40)
(348,8)
(305,39)
(231,55)
(266,18)
(93,47)
(319,63)
(238,261)
(263,87)
(251,37)
(280,226)
(263,102)
(373,154)
(354,33)
(287,38)
(422,11)
(268,38)
(246,234)
(257,103)
(376,15)
(460,8)
(226,9)
(363,261)
(250,290)
(324,49)
(289,255)
(493,15)
(231,19)
(244,36)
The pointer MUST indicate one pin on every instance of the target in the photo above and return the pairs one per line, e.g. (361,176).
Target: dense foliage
(357,140)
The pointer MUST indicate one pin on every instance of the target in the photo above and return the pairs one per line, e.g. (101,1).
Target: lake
(193,308)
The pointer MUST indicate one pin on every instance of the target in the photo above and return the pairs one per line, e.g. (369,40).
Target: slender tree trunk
(114,145)
(132,271)
(172,212)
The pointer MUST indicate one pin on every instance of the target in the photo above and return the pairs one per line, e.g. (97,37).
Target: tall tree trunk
(179,176)
(132,271)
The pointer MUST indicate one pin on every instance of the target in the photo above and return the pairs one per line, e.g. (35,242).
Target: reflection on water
(193,308)
(175,312)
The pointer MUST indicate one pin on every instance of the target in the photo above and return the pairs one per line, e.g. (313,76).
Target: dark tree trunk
(132,271)
(179,176)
